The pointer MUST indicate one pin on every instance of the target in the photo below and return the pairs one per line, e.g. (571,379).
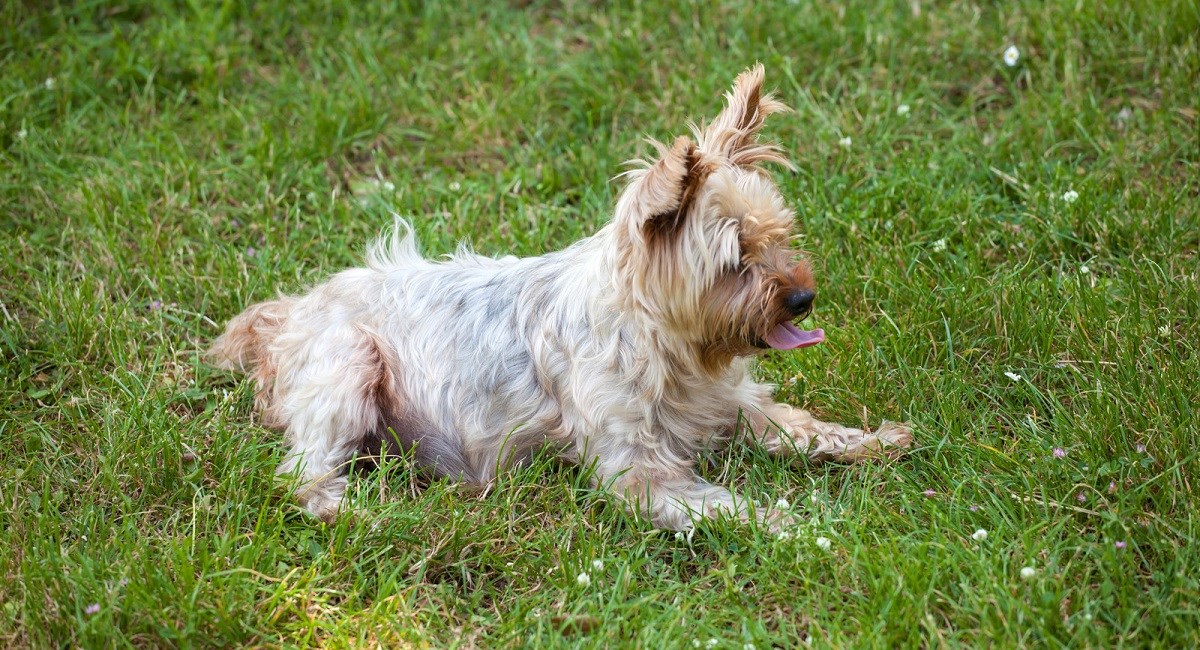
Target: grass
(162,164)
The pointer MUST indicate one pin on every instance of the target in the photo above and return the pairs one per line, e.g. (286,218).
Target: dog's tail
(245,345)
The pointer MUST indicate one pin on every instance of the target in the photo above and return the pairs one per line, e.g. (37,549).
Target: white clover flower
(1070,196)
(1028,572)
(823,543)
(1164,330)
(939,245)
(389,186)
(902,109)
(22,134)
(845,142)
(583,579)
(782,503)
(1011,56)
(712,643)
(455,186)
(598,565)
(979,535)
(49,83)
(747,646)
(1085,269)
(1013,376)
(679,536)
(784,535)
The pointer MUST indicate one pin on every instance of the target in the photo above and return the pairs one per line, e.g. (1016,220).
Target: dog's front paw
(890,438)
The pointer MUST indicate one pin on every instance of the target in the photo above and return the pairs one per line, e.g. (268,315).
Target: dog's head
(705,241)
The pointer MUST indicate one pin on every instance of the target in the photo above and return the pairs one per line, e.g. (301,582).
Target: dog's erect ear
(734,133)
(670,186)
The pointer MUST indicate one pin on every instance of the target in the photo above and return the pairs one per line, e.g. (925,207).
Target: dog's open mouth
(787,336)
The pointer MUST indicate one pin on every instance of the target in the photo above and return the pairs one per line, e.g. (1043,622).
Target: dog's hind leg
(333,390)
(783,429)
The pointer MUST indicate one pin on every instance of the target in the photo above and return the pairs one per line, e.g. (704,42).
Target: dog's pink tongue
(786,336)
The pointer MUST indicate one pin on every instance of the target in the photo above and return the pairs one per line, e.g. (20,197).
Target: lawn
(1008,258)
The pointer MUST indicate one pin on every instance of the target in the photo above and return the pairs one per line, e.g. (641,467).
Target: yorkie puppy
(628,352)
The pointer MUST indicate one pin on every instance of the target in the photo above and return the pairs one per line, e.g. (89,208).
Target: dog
(628,352)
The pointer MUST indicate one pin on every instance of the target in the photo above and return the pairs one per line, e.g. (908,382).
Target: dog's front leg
(674,497)
(783,429)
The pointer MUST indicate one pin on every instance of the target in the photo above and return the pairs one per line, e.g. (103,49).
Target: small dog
(628,352)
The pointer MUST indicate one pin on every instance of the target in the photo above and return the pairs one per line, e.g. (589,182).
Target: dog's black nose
(799,301)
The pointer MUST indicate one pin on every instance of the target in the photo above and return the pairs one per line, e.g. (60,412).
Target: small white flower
(979,535)
(695,643)
(598,565)
(711,643)
(813,498)
(939,245)
(1164,330)
(1013,376)
(1070,196)
(679,536)
(747,646)
(583,579)
(1028,572)
(1011,56)
(784,535)
(782,504)
(902,109)
(455,186)
(49,83)
(845,142)
(1085,269)
(823,543)
(21,135)
(389,186)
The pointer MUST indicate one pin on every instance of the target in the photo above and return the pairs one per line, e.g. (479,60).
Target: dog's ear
(669,186)
(734,133)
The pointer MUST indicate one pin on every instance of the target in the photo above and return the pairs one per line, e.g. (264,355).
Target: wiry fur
(627,351)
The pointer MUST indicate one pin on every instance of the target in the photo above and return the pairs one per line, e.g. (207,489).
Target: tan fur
(733,133)
(245,347)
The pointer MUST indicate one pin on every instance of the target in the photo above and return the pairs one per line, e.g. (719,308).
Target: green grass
(188,158)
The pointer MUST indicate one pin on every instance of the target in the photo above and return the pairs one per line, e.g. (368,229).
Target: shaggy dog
(628,352)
